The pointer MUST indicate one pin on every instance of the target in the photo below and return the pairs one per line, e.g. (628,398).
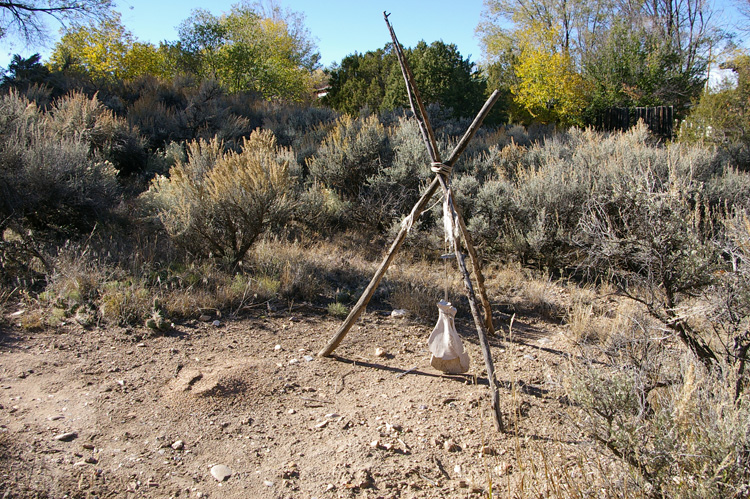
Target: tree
(443,77)
(27,17)
(251,49)
(722,115)
(360,81)
(656,53)
(638,52)
(578,24)
(374,80)
(24,72)
(106,51)
(548,87)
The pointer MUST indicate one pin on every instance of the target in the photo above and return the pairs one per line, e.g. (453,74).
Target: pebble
(379,352)
(216,323)
(486,451)
(178,445)
(221,472)
(66,437)
(277,347)
(451,446)
(268,483)
(308,358)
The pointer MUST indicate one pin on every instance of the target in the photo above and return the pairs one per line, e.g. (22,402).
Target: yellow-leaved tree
(548,85)
(106,51)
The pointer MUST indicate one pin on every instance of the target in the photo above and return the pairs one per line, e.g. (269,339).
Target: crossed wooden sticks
(453,219)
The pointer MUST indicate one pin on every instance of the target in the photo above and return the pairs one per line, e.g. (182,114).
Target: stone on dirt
(66,437)
(221,472)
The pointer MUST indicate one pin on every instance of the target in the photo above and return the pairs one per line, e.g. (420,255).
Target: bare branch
(26,19)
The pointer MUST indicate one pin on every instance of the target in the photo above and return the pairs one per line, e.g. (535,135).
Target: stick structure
(442,179)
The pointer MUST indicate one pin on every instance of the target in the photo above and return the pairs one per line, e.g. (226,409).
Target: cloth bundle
(448,354)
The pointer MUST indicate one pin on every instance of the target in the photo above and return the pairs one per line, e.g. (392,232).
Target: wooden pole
(486,352)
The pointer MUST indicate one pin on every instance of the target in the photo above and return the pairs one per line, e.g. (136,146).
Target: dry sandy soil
(124,413)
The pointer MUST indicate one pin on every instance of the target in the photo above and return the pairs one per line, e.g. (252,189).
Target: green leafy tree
(637,67)
(360,81)
(443,77)
(24,72)
(251,49)
(722,115)
(374,80)
(632,53)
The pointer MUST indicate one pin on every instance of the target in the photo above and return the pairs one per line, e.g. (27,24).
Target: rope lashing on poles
(441,168)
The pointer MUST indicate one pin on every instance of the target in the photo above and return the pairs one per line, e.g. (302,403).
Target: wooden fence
(660,119)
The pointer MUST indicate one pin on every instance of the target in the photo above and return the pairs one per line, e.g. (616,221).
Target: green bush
(721,117)
(354,150)
(217,203)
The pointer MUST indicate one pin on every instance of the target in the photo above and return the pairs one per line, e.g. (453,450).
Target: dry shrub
(218,203)
(83,118)
(651,404)
(51,179)
(124,302)
(417,287)
(587,315)
(349,154)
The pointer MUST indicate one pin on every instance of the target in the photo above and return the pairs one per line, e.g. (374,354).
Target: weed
(337,309)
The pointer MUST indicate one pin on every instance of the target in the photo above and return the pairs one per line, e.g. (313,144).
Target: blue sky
(340,27)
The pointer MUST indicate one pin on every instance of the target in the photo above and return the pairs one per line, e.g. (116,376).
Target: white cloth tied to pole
(448,354)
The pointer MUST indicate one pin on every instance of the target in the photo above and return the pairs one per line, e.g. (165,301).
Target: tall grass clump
(217,203)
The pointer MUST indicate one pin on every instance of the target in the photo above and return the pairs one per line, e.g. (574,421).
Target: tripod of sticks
(481,312)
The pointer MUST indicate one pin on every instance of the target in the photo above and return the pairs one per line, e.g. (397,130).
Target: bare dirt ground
(124,413)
